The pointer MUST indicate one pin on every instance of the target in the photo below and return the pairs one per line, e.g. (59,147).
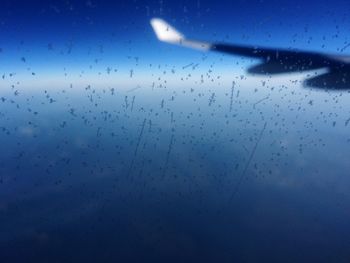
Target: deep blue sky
(73,34)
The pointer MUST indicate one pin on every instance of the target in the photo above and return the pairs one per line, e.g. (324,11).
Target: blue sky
(80,36)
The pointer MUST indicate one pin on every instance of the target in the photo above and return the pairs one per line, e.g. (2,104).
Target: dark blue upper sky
(121,28)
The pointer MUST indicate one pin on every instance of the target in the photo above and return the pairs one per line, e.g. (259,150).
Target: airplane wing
(272,60)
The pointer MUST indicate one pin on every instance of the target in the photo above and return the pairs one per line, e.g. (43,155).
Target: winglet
(169,34)
(166,32)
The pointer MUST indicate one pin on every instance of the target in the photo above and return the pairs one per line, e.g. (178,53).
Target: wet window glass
(175,131)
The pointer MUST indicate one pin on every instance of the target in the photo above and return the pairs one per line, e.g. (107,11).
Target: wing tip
(165,32)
